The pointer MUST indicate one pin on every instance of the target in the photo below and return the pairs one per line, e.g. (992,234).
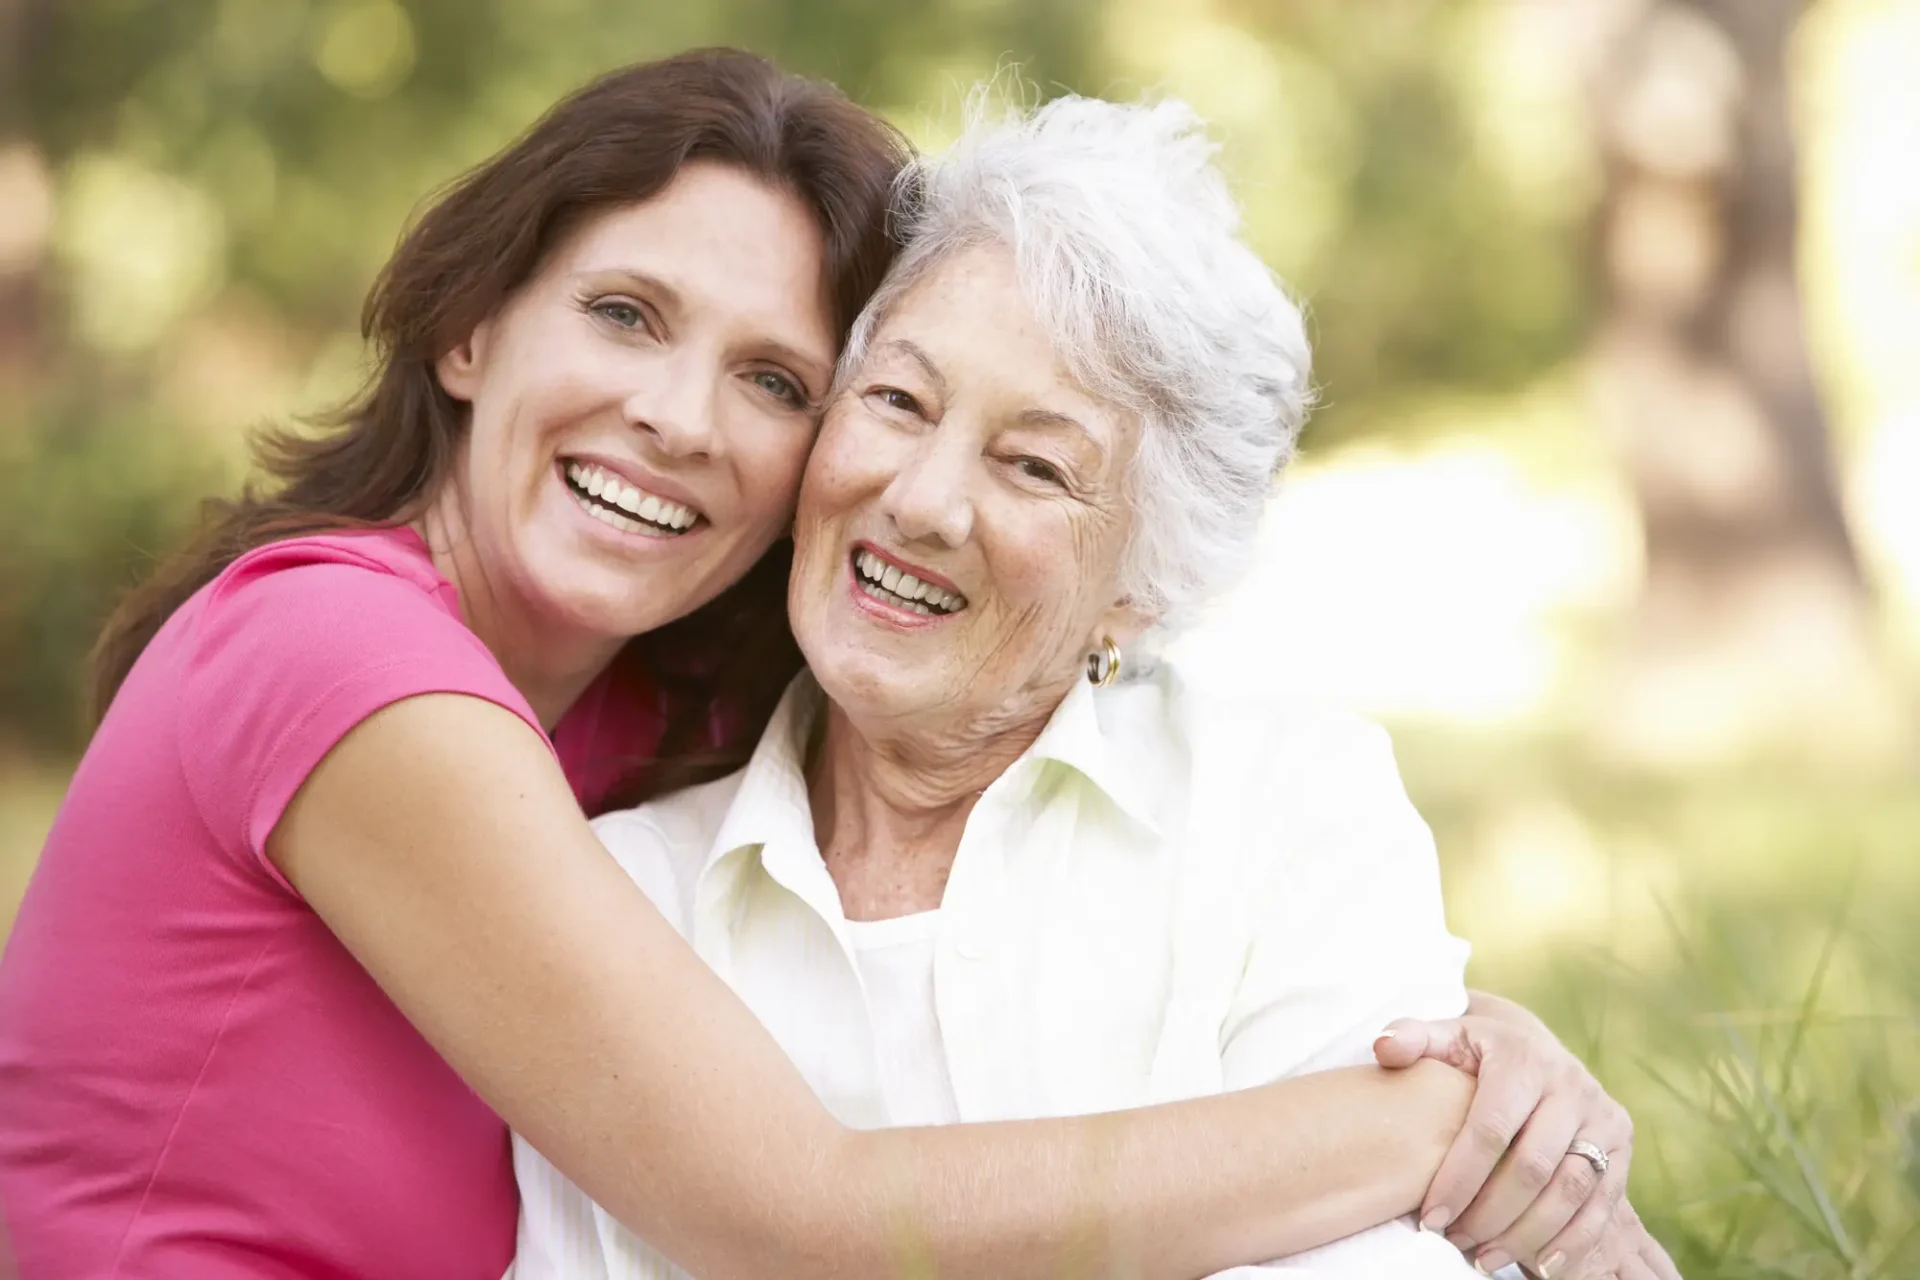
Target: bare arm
(440,842)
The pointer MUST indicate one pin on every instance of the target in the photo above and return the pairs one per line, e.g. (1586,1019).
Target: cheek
(869,454)
(553,378)
(1055,575)
(773,480)
(834,471)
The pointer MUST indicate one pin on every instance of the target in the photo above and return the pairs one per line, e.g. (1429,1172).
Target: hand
(1508,1189)
(1626,1252)
(1645,1259)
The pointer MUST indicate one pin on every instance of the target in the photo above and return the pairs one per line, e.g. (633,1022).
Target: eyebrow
(1027,417)
(668,294)
(813,368)
(924,360)
(1053,418)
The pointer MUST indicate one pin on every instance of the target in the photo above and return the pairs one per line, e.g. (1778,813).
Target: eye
(780,387)
(620,311)
(1039,470)
(897,400)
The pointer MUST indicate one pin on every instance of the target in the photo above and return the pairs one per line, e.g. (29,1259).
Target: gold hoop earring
(1103,665)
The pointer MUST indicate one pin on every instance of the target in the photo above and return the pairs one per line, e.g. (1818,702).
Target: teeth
(618,521)
(908,591)
(609,488)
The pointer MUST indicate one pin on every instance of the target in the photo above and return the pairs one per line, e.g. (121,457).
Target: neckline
(896,931)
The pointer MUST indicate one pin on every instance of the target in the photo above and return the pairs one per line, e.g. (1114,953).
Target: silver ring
(1592,1154)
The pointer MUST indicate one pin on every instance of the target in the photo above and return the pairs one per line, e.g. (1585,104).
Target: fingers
(1654,1258)
(1565,1232)
(1609,1255)
(1646,1260)
(1536,1189)
(1402,1044)
(1552,1222)
(1502,1103)
(1607,1213)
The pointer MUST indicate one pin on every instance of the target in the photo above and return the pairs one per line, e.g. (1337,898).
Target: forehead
(962,289)
(721,237)
(971,316)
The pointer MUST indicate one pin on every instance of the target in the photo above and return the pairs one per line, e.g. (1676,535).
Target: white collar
(771,805)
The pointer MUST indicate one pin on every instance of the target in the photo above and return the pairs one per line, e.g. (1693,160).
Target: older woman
(990,862)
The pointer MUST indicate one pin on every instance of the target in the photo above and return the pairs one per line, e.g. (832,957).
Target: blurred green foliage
(88,510)
(233,170)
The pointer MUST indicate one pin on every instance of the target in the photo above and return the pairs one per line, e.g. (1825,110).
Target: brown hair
(619,140)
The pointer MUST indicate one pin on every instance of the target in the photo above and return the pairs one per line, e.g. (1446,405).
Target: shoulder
(1281,789)
(324,570)
(295,645)
(1164,720)
(312,608)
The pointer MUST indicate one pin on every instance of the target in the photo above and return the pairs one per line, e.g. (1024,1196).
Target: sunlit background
(1612,510)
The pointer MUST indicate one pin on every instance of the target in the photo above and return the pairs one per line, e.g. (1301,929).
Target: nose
(928,499)
(675,405)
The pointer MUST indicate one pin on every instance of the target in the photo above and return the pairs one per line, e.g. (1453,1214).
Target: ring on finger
(1592,1153)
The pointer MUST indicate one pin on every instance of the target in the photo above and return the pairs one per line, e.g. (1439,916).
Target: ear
(1124,621)
(460,370)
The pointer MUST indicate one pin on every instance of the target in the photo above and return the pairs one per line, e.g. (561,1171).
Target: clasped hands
(1510,1189)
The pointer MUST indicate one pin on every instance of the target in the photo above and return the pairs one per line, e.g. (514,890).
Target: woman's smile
(900,592)
(613,499)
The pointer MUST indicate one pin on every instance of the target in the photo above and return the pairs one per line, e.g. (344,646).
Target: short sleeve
(1349,930)
(288,653)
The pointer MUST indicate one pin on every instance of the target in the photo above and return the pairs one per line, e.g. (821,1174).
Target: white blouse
(894,960)
(1170,894)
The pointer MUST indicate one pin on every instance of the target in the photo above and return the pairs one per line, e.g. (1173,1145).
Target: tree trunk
(1754,613)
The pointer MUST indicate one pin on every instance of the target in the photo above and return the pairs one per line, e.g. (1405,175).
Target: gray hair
(1126,242)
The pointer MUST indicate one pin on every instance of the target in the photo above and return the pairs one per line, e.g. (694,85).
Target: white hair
(1126,243)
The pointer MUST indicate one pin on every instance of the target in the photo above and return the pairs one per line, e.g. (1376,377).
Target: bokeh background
(1612,510)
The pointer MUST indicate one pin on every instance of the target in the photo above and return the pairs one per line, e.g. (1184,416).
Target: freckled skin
(962,445)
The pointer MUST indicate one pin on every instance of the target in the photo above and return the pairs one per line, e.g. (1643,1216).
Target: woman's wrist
(1361,1147)
(1177,1190)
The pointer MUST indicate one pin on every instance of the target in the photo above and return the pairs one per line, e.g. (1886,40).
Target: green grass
(1740,970)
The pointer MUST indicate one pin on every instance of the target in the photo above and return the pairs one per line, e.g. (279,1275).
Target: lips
(892,585)
(610,499)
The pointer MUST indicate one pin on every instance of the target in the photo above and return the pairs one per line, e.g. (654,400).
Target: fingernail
(1388,1034)
(1461,1241)
(1551,1265)
(1437,1219)
(1490,1261)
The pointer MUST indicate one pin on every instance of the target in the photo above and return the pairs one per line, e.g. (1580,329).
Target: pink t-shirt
(197,1080)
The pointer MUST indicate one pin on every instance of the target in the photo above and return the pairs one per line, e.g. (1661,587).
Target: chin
(585,598)
(868,684)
